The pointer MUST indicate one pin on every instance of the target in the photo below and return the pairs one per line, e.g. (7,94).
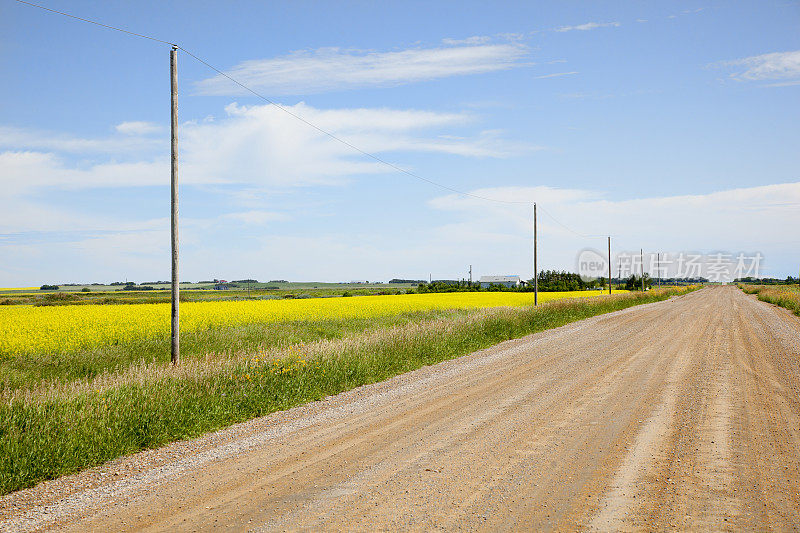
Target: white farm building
(506,281)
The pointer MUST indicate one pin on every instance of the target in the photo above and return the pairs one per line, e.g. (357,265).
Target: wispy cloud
(256,216)
(27,139)
(332,69)
(773,206)
(137,128)
(557,75)
(774,66)
(475,39)
(249,147)
(783,84)
(586,96)
(588,26)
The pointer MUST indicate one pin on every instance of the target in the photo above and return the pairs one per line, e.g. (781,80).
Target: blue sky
(670,125)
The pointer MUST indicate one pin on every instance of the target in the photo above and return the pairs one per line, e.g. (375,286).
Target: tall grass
(57,427)
(787,296)
(26,370)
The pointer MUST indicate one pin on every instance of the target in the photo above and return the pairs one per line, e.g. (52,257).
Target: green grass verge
(52,431)
(787,296)
(25,371)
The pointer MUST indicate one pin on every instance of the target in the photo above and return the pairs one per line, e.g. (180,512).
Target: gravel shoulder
(678,414)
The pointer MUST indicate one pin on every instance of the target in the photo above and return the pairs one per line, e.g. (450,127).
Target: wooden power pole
(176,351)
(609,264)
(535,258)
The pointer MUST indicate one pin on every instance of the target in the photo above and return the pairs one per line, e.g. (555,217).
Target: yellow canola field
(61,329)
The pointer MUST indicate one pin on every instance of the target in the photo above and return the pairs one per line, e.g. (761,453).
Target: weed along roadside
(787,296)
(58,427)
(80,342)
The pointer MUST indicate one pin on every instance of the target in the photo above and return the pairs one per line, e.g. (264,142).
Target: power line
(285,110)
(96,23)
(584,235)
(311,124)
(346,143)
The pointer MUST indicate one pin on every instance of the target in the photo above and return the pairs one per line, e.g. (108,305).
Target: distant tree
(86,289)
(634,283)
(555,281)
(133,287)
(48,288)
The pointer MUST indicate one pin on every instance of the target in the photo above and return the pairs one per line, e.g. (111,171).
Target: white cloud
(250,148)
(25,171)
(259,145)
(27,139)
(494,238)
(262,145)
(783,84)
(774,66)
(256,216)
(137,128)
(506,195)
(588,26)
(475,39)
(747,219)
(329,69)
(557,75)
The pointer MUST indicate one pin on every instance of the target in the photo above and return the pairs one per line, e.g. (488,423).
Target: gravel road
(680,414)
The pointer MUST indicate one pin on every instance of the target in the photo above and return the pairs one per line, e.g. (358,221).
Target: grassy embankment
(64,425)
(787,296)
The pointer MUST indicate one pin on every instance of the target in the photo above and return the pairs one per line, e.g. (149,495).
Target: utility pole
(609,264)
(619,273)
(470,275)
(535,259)
(641,260)
(176,351)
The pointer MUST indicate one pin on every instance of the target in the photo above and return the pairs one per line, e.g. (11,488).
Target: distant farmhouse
(506,281)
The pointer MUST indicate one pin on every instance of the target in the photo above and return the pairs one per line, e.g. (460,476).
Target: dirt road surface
(680,414)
